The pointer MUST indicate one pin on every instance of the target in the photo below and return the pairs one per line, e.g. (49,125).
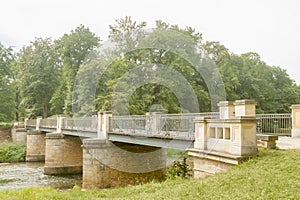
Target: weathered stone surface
(35,150)
(63,154)
(116,165)
(266,141)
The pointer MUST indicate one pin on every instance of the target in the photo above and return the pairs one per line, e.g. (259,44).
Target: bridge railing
(128,124)
(277,124)
(82,123)
(171,125)
(48,123)
(31,122)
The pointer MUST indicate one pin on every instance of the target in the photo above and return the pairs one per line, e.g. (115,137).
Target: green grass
(271,175)
(12,152)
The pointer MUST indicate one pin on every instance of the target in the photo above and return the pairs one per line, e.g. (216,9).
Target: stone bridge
(114,151)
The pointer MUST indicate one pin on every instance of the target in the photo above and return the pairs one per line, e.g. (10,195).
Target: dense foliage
(40,79)
(12,152)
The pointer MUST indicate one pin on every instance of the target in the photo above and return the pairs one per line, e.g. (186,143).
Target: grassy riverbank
(270,175)
(12,152)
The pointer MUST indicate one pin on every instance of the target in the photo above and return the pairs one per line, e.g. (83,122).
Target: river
(27,175)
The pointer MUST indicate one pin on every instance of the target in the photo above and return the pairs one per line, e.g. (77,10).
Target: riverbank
(273,174)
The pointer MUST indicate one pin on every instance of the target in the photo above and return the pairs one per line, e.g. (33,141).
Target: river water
(27,175)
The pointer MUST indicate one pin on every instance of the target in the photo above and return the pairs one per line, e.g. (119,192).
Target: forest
(40,78)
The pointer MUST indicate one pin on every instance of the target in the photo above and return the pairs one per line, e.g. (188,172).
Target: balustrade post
(59,123)
(99,124)
(38,122)
(25,122)
(105,124)
(200,133)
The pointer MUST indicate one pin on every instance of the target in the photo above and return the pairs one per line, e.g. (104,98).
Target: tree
(39,75)
(7,89)
(73,49)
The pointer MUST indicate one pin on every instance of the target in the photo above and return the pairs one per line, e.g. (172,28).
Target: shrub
(12,152)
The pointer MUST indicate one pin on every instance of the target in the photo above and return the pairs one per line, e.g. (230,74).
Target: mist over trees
(39,80)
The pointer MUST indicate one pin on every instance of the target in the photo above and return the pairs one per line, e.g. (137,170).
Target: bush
(180,169)
(12,152)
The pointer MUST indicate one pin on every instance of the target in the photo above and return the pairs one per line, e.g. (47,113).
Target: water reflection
(26,175)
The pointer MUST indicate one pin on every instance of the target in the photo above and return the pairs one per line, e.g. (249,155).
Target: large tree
(38,76)
(73,49)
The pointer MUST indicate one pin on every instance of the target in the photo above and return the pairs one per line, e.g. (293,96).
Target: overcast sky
(268,27)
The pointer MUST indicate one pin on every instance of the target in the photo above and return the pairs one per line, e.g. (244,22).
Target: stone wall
(107,164)
(5,135)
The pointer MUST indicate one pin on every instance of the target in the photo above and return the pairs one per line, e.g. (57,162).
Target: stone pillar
(99,125)
(105,125)
(63,154)
(296,121)
(245,108)
(107,164)
(200,133)
(38,121)
(19,132)
(35,149)
(153,124)
(226,109)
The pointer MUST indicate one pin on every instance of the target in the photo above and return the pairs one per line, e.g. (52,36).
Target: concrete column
(35,149)
(226,109)
(63,154)
(245,108)
(99,125)
(296,121)
(107,164)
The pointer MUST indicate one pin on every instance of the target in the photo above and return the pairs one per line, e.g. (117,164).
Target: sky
(270,28)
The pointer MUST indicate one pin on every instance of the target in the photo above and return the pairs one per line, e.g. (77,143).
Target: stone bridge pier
(111,164)
(35,148)
(63,154)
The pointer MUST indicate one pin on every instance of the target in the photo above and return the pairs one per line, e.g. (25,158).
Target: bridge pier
(35,149)
(107,164)
(63,154)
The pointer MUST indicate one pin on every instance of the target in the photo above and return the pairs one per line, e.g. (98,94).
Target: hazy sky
(268,27)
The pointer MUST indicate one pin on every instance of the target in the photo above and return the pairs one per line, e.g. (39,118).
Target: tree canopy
(168,68)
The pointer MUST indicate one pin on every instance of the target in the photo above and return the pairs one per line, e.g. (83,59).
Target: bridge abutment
(35,149)
(19,132)
(63,154)
(107,164)
(222,143)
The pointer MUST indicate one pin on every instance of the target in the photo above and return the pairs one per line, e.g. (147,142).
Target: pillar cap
(295,106)
(244,102)
(225,103)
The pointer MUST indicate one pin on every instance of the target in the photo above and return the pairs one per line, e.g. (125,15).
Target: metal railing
(172,125)
(48,123)
(82,123)
(31,122)
(277,124)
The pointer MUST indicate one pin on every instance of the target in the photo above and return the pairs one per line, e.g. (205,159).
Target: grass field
(273,174)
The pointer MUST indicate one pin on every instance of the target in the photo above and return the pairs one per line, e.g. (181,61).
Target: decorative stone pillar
(245,108)
(296,121)
(35,149)
(107,164)
(63,154)
(226,109)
